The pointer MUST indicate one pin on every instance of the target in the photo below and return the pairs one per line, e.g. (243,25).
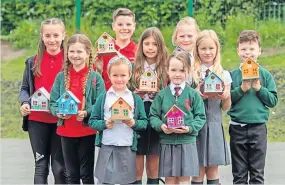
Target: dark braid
(66,75)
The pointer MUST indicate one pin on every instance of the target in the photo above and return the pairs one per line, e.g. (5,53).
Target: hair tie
(118,58)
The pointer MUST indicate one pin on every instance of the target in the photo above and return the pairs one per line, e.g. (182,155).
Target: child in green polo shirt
(178,152)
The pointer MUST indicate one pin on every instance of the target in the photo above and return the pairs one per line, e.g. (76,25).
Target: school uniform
(128,51)
(211,143)
(178,152)
(41,126)
(117,156)
(76,137)
(148,142)
(248,133)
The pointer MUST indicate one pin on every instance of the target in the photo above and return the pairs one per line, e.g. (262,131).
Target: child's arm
(55,95)
(96,120)
(267,94)
(98,87)
(155,113)
(141,121)
(238,92)
(198,114)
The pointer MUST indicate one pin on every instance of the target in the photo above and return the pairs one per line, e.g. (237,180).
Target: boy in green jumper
(251,100)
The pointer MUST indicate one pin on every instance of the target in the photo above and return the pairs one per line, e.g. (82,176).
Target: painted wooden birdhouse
(175,117)
(249,69)
(40,100)
(148,81)
(105,44)
(213,85)
(68,103)
(120,110)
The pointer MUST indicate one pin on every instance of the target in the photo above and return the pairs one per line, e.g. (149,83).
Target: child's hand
(223,96)
(256,84)
(81,115)
(245,86)
(182,130)
(110,123)
(130,122)
(140,93)
(165,129)
(25,109)
(63,116)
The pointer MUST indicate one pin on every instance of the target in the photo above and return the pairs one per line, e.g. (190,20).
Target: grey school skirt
(211,145)
(116,165)
(178,160)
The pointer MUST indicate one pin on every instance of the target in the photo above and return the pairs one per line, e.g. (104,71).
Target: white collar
(111,90)
(182,85)
(204,68)
(152,66)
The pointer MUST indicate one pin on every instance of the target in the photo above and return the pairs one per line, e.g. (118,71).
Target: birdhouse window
(101,46)
(116,111)
(170,120)
(153,84)
(209,86)
(39,94)
(245,71)
(35,103)
(144,83)
(111,46)
(61,105)
(44,104)
(126,112)
(180,120)
(71,106)
(218,86)
(66,97)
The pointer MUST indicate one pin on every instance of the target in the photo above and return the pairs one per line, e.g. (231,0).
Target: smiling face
(248,49)
(119,74)
(176,71)
(186,36)
(52,36)
(207,51)
(150,48)
(77,55)
(124,27)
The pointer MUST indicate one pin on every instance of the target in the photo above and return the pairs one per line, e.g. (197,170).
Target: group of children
(194,150)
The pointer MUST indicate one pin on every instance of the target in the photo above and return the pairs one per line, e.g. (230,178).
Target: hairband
(118,58)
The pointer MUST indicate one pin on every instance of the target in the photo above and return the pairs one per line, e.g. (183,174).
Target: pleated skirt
(178,160)
(211,145)
(116,165)
(148,141)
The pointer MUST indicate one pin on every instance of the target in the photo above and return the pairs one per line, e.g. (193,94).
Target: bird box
(175,117)
(120,110)
(105,45)
(68,103)
(40,100)
(148,81)
(249,69)
(213,85)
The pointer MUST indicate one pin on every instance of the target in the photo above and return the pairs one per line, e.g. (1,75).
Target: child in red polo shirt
(77,137)
(40,71)
(124,26)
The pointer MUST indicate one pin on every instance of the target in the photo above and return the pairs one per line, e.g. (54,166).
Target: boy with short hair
(249,112)
(124,26)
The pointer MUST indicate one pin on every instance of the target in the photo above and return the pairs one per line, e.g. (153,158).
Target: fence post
(190,8)
(78,12)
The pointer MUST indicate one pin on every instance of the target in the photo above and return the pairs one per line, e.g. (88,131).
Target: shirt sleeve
(227,77)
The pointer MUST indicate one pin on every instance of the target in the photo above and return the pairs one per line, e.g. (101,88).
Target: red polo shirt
(129,51)
(50,66)
(71,127)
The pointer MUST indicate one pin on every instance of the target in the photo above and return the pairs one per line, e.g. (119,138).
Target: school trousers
(248,151)
(46,147)
(78,153)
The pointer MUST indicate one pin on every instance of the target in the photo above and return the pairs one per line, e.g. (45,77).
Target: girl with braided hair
(76,136)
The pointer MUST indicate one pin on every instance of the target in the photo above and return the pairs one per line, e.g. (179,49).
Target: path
(17,163)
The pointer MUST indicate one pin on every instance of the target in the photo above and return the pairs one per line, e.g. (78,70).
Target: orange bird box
(120,110)
(249,69)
